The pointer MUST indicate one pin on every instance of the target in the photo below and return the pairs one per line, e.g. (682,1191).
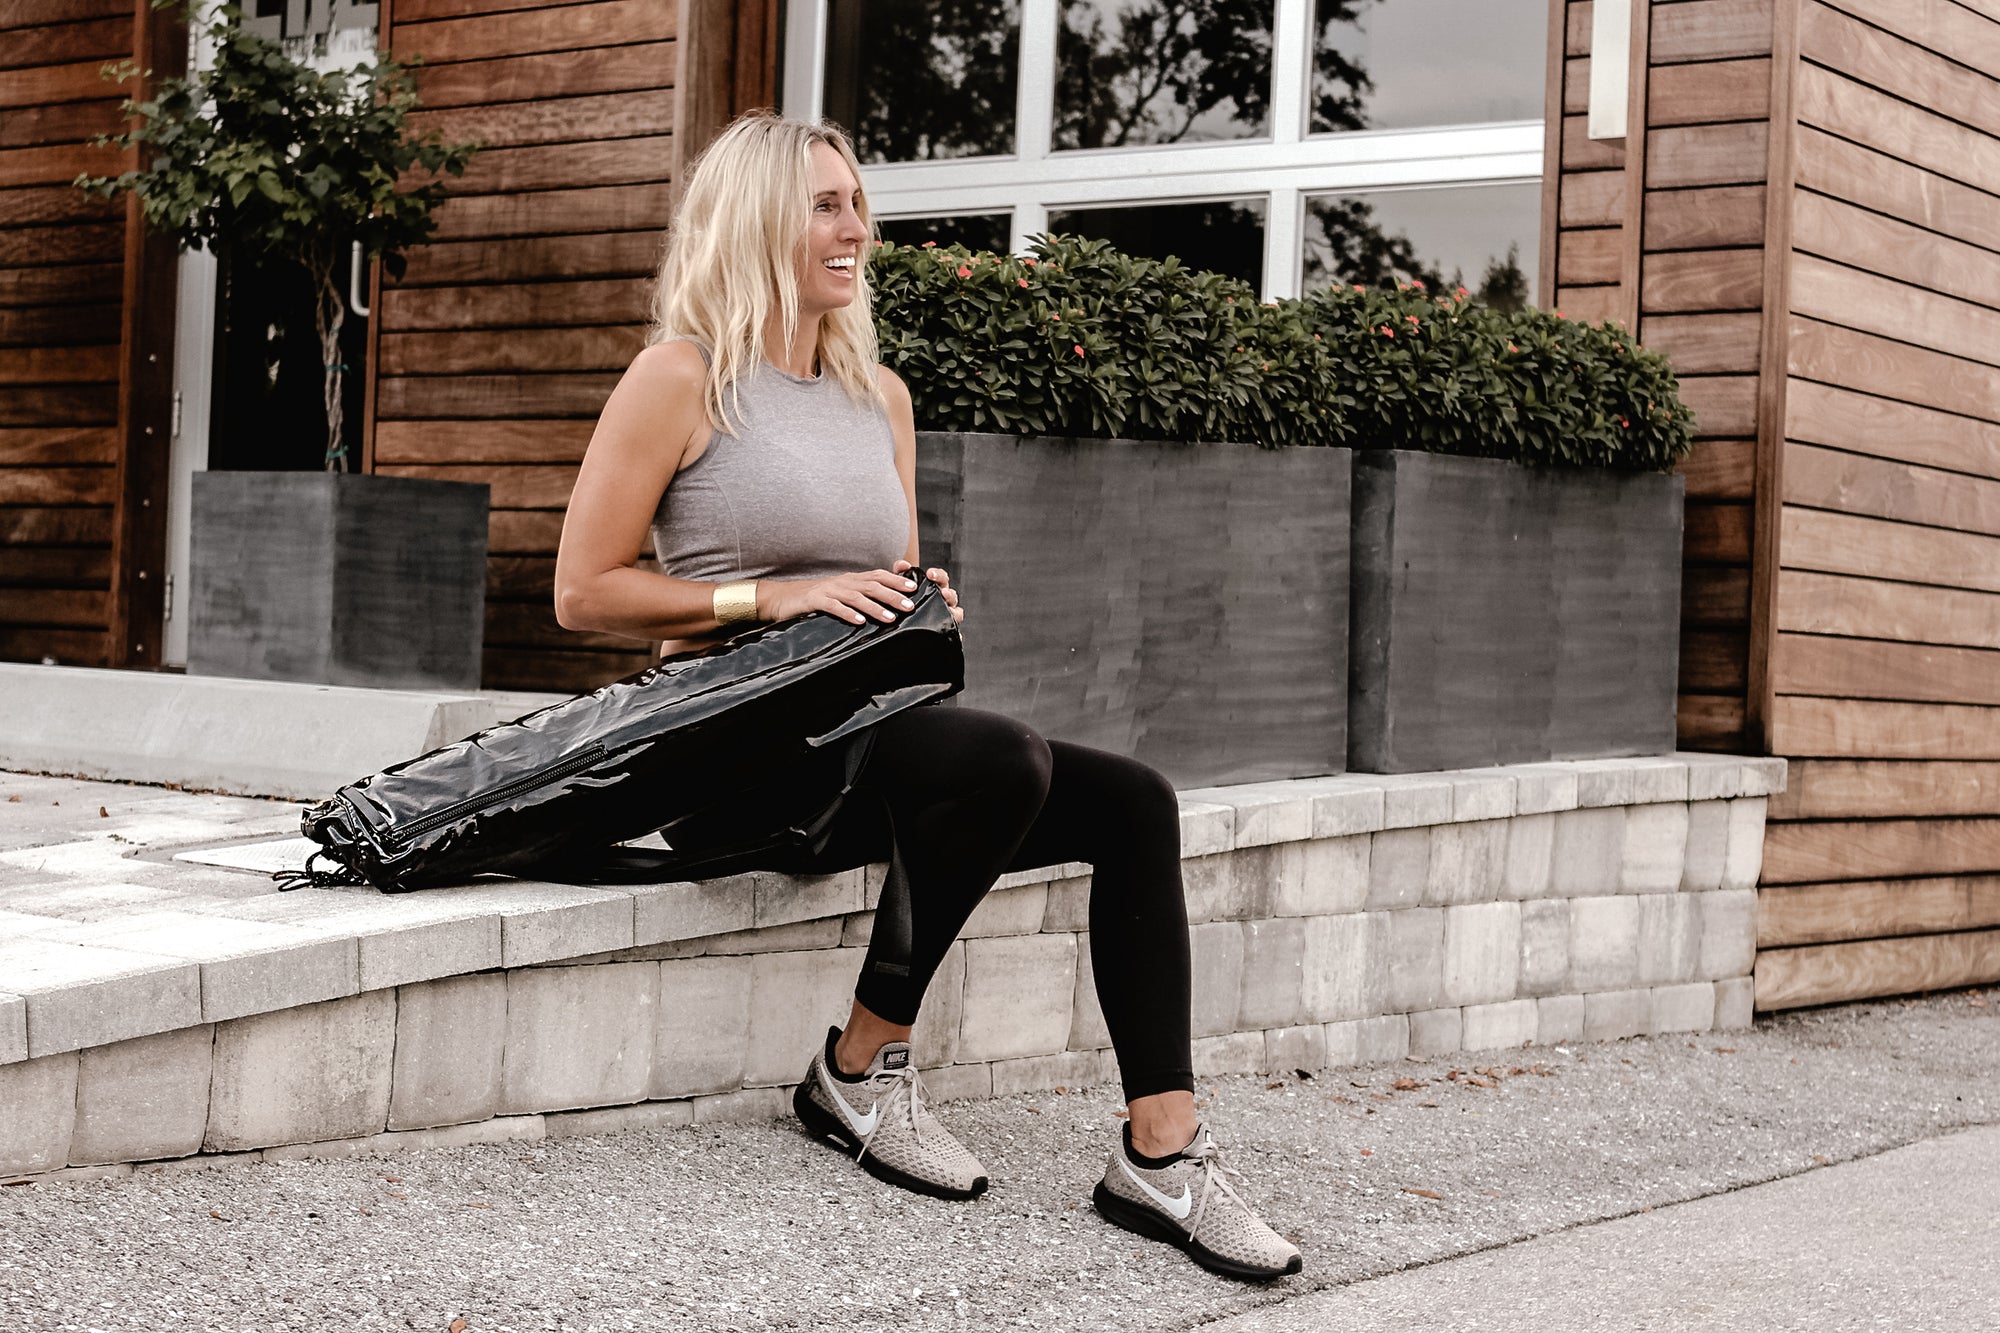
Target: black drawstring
(307,878)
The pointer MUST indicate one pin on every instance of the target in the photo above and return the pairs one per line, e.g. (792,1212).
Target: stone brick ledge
(1283,849)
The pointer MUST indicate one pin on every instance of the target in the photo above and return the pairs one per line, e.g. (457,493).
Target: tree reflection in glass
(1221,236)
(918,80)
(1133,72)
(1397,64)
(1482,237)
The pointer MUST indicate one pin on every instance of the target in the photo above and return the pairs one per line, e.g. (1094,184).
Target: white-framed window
(1290,142)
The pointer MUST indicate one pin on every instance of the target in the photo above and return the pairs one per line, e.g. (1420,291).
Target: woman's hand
(879,593)
(943,580)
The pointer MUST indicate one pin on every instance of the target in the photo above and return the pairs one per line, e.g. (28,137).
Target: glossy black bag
(693,748)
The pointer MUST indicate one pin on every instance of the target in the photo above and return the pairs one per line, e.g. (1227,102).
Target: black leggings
(975,795)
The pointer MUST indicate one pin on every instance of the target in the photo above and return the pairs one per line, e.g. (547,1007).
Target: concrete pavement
(1907,1239)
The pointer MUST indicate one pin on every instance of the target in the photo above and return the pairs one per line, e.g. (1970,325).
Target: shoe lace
(902,1100)
(1216,1178)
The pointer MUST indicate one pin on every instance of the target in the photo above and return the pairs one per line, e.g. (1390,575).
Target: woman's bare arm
(903,425)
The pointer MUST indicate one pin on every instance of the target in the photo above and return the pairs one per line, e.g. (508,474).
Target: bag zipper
(410,832)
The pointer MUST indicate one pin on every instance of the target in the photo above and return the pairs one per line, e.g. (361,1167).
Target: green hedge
(1081,340)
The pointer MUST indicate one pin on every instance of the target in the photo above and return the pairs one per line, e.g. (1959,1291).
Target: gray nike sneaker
(1191,1203)
(882,1122)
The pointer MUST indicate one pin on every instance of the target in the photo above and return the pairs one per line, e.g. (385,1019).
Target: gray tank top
(806,487)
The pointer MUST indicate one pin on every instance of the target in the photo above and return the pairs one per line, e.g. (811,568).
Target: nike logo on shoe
(864,1125)
(1178,1209)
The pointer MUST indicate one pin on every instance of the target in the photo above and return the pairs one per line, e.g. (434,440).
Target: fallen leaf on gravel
(1725,1050)
(394,1195)
(1407,1084)
(458,1325)
(1061,1091)
(1517,1071)
(1819,1159)
(102,813)
(13,800)
(1357,1083)
(1422,1194)
(1542,1071)
(1975,1002)
(1380,1098)
(1367,1152)
(1032,1110)
(1270,1086)
(1481,1082)
(366,1213)
(393,1180)
(1338,1098)
(1430,1104)
(217,1216)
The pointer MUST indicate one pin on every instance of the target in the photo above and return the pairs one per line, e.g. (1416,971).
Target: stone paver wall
(1333,921)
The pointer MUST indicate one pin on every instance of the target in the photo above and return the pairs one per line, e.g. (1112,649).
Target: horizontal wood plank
(1883,488)
(58,485)
(1831,973)
(523,350)
(1839,232)
(54,205)
(1715,596)
(1883,60)
(1709,30)
(1575,92)
(1887,308)
(533,625)
(1836,355)
(567,166)
(604,116)
(1852,110)
(1709,722)
(68,647)
(1723,215)
(1829,414)
(1835,543)
(1884,184)
(97,39)
(60,405)
(1716,534)
(1885,789)
(94,243)
(523,531)
(58,365)
(556,212)
(70,285)
(1580,152)
(1720,470)
(529,305)
(58,446)
(1589,257)
(525,32)
(56,567)
(1724,405)
(513,486)
(1576,28)
(42,85)
(55,526)
(490,442)
(72,608)
(1715,661)
(1590,305)
(1691,155)
(1872,729)
(58,326)
(1945,27)
(57,165)
(34,13)
(1875,909)
(1880,669)
(61,122)
(551,669)
(634,254)
(1592,199)
(1879,848)
(1709,92)
(1705,344)
(1813,603)
(476,397)
(521,578)
(1692,280)
(547,74)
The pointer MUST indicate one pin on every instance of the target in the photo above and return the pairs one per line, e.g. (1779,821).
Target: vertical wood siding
(62,283)
(1882,864)
(495,352)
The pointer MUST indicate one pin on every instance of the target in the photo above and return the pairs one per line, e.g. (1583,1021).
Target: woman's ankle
(1163,1124)
(863,1038)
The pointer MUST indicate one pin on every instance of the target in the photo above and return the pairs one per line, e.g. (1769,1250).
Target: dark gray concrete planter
(337,579)
(1505,614)
(1182,604)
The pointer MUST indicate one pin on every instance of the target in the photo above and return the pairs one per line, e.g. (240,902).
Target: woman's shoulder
(895,393)
(678,364)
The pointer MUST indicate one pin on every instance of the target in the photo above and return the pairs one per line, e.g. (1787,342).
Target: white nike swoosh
(1180,1207)
(864,1125)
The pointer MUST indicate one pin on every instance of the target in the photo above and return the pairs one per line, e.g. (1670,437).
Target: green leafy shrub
(1078,339)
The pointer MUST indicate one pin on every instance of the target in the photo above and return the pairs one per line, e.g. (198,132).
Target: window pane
(1224,237)
(1133,72)
(1479,236)
(1392,64)
(974,231)
(914,80)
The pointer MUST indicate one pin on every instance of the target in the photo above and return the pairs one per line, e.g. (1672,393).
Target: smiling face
(835,237)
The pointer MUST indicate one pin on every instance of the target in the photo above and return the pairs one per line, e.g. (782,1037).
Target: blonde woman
(771,458)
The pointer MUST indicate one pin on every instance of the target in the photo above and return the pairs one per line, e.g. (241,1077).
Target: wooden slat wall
(62,282)
(1882,863)
(495,352)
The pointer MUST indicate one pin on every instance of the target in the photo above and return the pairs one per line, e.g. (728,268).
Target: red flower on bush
(1078,349)
(1386,331)
(1021,281)
(928,245)
(1512,348)
(1462,293)
(964,272)
(1417,283)
(1413,319)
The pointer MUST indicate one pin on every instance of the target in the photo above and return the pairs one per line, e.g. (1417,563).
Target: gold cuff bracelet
(736,602)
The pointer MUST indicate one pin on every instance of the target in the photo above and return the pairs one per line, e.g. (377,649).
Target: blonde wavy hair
(732,254)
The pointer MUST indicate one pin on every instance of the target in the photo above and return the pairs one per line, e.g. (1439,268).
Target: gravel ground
(754,1226)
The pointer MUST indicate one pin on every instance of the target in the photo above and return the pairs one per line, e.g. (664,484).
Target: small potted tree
(332,577)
